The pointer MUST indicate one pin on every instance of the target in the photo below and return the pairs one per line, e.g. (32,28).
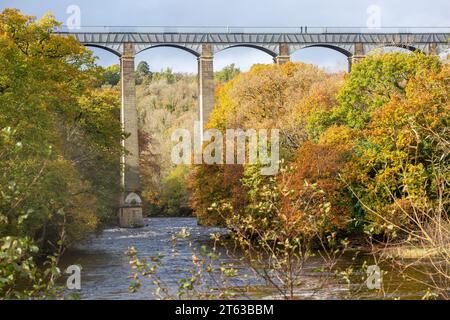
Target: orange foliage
(215,183)
(316,178)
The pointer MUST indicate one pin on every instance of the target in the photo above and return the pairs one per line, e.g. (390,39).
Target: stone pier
(283,54)
(130,212)
(358,55)
(205,83)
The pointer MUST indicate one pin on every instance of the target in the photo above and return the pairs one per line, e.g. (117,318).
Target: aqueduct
(204,45)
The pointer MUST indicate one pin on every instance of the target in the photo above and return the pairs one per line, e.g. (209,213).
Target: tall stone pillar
(205,83)
(358,54)
(283,54)
(130,214)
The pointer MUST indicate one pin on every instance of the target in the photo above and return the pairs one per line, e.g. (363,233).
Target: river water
(106,269)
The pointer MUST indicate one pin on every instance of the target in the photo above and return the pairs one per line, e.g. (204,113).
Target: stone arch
(345,52)
(340,55)
(249,45)
(397,45)
(170,45)
(99,46)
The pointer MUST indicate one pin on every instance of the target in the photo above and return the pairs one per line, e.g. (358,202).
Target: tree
(59,144)
(143,69)
(226,74)
(403,154)
(174,196)
(142,72)
(111,75)
(315,176)
(167,75)
(374,81)
(266,97)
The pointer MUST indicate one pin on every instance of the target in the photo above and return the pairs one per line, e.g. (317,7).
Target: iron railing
(250,29)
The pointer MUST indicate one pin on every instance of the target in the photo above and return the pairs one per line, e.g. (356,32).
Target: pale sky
(394,13)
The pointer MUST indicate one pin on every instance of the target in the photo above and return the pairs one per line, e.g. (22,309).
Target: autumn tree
(372,83)
(404,151)
(111,75)
(59,144)
(266,97)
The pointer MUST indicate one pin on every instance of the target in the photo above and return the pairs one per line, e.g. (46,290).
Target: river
(106,269)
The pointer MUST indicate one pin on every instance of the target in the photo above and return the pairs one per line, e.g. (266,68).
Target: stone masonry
(357,56)
(205,83)
(129,216)
(283,55)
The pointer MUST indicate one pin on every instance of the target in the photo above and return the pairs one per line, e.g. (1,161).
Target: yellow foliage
(275,96)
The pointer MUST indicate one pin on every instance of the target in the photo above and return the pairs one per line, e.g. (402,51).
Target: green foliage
(143,69)
(142,72)
(374,81)
(226,74)
(17,266)
(111,75)
(174,198)
(166,75)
